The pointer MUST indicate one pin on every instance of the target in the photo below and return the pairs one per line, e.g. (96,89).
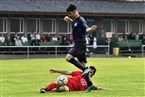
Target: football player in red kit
(75,83)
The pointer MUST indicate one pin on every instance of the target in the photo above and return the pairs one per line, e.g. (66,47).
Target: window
(49,25)
(109,25)
(123,26)
(137,26)
(17,25)
(64,27)
(3,25)
(33,24)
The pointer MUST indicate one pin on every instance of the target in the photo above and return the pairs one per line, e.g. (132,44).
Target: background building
(46,16)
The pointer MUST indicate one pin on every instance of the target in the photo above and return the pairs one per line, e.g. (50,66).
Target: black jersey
(79,27)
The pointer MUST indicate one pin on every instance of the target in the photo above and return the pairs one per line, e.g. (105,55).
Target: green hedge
(130,43)
(28,43)
(49,43)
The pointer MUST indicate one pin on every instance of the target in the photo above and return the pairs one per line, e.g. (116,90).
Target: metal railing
(56,49)
(142,50)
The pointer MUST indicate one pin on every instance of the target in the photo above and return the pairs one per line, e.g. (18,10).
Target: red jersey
(77,82)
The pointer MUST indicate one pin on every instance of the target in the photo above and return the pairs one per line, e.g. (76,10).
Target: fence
(28,50)
(143,46)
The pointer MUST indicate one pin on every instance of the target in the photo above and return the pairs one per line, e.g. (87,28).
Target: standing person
(79,29)
(94,44)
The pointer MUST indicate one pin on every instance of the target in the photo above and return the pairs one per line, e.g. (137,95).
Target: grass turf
(123,77)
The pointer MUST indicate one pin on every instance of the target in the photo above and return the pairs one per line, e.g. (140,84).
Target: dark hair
(92,67)
(71,8)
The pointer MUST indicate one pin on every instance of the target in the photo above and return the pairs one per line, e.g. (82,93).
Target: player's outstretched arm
(90,29)
(65,72)
(99,88)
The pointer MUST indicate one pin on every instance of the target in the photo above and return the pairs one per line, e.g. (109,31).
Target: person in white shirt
(54,39)
(32,35)
(94,44)
(18,42)
(2,39)
(120,38)
(38,36)
(24,39)
(87,40)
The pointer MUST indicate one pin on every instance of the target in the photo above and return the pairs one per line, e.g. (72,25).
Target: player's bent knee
(66,88)
(67,59)
(63,89)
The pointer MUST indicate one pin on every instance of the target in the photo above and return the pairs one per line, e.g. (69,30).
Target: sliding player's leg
(90,84)
(49,87)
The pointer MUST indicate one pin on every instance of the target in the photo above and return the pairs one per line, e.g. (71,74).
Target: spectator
(24,38)
(38,37)
(71,39)
(137,36)
(124,37)
(87,43)
(91,40)
(94,44)
(48,38)
(120,38)
(59,39)
(141,36)
(36,41)
(43,39)
(32,35)
(87,40)
(18,42)
(16,35)
(143,40)
(65,40)
(8,40)
(54,38)
(107,42)
(2,39)
(132,36)
(14,38)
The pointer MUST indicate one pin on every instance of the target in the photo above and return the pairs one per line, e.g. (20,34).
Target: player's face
(71,14)
(91,72)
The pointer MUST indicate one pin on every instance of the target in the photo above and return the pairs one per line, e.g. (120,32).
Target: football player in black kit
(79,29)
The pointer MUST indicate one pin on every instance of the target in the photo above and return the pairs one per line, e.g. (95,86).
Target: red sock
(50,86)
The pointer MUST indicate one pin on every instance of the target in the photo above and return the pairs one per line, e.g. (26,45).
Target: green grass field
(124,77)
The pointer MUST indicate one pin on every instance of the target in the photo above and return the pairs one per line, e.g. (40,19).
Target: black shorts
(79,51)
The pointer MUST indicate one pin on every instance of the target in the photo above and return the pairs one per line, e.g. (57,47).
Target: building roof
(83,6)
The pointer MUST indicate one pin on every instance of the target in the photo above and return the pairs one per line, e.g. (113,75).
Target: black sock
(77,64)
(88,79)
